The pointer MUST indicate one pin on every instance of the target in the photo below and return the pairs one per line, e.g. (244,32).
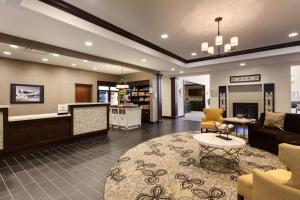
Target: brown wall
(138,76)
(59,83)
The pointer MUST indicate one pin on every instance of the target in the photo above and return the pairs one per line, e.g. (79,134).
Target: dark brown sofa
(269,138)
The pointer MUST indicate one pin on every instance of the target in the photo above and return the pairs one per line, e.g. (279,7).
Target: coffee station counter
(125,117)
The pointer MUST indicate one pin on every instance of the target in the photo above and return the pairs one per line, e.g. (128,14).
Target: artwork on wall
(21,93)
(223,99)
(214,93)
(245,78)
(269,97)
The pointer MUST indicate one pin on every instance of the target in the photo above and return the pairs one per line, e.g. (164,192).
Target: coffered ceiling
(129,31)
(257,23)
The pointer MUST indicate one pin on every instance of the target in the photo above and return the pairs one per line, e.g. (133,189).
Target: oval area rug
(168,168)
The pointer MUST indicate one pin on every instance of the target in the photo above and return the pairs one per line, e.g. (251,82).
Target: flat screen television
(194,92)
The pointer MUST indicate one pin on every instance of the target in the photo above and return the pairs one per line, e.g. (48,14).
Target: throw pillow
(274,120)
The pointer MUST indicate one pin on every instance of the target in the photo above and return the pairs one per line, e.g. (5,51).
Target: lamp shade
(211,50)
(234,41)
(122,84)
(204,46)
(219,40)
(227,48)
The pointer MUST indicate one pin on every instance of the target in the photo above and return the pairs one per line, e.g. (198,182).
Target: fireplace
(249,110)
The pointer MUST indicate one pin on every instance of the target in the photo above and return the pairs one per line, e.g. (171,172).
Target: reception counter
(29,131)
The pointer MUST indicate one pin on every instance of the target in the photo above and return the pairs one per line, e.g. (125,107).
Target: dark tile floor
(75,170)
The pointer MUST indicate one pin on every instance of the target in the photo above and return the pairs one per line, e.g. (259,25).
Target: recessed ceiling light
(45,60)
(294,34)
(144,60)
(173,69)
(107,65)
(55,54)
(14,46)
(164,36)
(193,54)
(73,64)
(85,61)
(95,68)
(242,64)
(181,72)
(6,53)
(88,43)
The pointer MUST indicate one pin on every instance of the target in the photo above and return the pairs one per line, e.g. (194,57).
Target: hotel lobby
(149,100)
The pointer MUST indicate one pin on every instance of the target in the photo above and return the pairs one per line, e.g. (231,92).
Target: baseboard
(172,117)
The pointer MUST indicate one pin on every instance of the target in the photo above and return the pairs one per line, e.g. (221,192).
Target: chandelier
(122,83)
(234,42)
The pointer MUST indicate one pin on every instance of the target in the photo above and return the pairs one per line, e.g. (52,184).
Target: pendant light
(122,83)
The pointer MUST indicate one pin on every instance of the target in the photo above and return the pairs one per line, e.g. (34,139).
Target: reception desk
(29,131)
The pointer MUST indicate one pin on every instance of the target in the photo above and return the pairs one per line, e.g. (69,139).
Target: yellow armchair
(276,184)
(212,115)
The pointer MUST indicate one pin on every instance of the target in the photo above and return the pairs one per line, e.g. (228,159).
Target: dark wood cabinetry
(32,133)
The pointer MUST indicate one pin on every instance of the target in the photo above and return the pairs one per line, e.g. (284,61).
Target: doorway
(83,93)
(196,96)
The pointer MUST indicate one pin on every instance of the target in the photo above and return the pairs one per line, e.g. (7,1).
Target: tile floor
(76,170)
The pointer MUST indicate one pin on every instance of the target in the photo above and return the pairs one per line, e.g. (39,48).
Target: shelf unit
(139,94)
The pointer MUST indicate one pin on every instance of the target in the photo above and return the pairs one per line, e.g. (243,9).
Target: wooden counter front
(26,134)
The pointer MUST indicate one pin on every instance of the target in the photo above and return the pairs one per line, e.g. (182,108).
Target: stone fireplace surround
(252,93)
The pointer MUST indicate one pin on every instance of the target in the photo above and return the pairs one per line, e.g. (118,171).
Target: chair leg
(240,197)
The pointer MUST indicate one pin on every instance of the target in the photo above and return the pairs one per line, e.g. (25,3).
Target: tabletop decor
(224,129)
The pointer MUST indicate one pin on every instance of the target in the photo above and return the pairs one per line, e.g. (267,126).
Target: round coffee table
(213,147)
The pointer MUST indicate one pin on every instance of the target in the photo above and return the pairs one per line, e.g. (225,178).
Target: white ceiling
(265,22)
(256,22)
(22,53)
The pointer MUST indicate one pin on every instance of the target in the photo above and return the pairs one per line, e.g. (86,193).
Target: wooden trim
(159,97)
(10,39)
(73,10)
(5,127)
(174,97)
(247,51)
(172,117)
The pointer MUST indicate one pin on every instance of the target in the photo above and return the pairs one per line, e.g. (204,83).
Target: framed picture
(245,78)
(20,93)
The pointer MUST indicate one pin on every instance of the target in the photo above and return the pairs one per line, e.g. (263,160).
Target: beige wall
(278,73)
(59,83)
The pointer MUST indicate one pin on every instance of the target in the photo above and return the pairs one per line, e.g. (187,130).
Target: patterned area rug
(168,168)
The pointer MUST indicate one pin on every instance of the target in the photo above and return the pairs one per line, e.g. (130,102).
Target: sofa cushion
(270,133)
(291,123)
(290,138)
(274,120)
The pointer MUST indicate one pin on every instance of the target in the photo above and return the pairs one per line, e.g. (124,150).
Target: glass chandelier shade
(204,46)
(227,48)
(234,41)
(211,50)
(122,83)
(219,40)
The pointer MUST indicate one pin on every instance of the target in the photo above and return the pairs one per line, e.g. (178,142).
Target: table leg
(244,131)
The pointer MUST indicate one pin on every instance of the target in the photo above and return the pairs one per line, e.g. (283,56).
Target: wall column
(159,97)
(174,97)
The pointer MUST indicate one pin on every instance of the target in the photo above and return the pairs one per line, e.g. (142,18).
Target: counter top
(35,116)
(78,104)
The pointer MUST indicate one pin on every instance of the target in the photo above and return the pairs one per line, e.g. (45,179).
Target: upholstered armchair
(212,115)
(276,184)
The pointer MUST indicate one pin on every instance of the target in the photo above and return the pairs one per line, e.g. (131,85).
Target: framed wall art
(245,78)
(21,93)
